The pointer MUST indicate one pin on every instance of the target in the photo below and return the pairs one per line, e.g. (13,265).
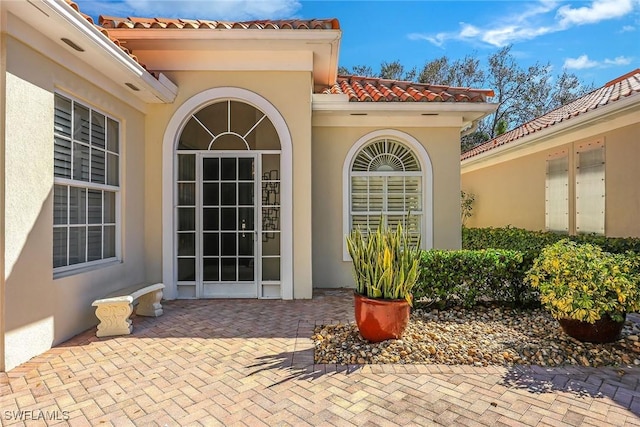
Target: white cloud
(628,29)
(618,60)
(535,20)
(199,9)
(582,62)
(599,10)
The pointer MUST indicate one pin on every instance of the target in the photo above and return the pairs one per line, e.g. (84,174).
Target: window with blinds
(86,176)
(557,194)
(386,183)
(590,191)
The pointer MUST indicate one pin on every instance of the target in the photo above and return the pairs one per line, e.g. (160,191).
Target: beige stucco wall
(290,93)
(513,192)
(40,311)
(3,64)
(330,148)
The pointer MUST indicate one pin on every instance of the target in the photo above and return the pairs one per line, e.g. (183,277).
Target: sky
(598,40)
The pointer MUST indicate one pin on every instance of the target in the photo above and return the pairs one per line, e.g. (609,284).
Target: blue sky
(597,40)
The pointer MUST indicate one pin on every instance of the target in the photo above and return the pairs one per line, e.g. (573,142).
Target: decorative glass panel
(186,167)
(186,219)
(271,268)
(186,244)
(187,194)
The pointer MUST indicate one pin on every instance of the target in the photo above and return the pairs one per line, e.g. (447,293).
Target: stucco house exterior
(573,170)
(224,159)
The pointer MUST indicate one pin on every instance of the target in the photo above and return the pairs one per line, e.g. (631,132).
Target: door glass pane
(186,219)
(271,218)
(210,244)
(229,244)
(228,219)
(245,269)
(228,193)
(228,269)
(270,268)
(211,269)
(210,194)
(186,167)
(186,244)
(245,193)
(186,269)
(245,217)
(210,169)
(271,193)
(245,244)
(228,169)
(270,244)
(187,194)
(245,169)
(210,219)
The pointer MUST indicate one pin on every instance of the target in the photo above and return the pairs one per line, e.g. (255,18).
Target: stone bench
(114,310)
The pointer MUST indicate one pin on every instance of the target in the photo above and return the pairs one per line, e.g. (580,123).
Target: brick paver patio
(249,362)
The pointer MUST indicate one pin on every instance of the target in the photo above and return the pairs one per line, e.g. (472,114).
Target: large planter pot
(380,319)
(602,331)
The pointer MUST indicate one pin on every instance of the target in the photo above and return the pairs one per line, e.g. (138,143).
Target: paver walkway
(249,362)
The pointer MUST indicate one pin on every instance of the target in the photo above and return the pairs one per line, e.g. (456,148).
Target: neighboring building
(234,169)
(573,170)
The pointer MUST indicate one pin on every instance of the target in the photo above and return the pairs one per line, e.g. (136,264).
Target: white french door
(227,227)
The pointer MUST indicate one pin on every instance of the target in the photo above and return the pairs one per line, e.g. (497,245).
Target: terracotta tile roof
(616,90)
(190,24)
(370,89)
(113,39)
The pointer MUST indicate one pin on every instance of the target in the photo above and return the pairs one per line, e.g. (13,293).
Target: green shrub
(468,276)
(582,282)
(385,263)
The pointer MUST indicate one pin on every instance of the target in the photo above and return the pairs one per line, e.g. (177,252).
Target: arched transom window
(386,182)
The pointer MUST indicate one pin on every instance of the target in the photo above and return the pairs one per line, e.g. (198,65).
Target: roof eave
(593,117)
(161,90)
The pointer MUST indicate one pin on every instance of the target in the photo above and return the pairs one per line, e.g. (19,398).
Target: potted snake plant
(385,268)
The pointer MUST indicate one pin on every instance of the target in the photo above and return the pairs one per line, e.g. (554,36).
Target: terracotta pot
(381,319)
(603,330)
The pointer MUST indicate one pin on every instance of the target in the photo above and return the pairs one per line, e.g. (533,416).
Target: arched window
(385,181)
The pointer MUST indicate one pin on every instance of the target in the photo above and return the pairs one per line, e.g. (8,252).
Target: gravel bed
(481,336)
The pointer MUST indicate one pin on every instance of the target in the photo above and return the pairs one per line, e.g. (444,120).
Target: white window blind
(557,194)
(590,191)
(386,182)
(86,175)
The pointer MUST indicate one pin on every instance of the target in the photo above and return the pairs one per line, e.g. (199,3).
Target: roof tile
(367,89)
(188,24)
(616,90)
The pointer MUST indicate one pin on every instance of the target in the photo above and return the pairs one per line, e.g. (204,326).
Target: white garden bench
(114,310)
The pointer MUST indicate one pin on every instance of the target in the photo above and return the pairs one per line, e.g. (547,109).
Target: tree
(395,71)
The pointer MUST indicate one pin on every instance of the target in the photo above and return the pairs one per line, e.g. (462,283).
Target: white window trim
(70,270)
(169,177)
(427,183)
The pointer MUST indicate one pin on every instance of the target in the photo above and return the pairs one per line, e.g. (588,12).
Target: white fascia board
(160,35)
(163,89)
(340,103)
(591,118)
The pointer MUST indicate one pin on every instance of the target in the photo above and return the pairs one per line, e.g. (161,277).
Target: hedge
(493,265)
(468,277)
